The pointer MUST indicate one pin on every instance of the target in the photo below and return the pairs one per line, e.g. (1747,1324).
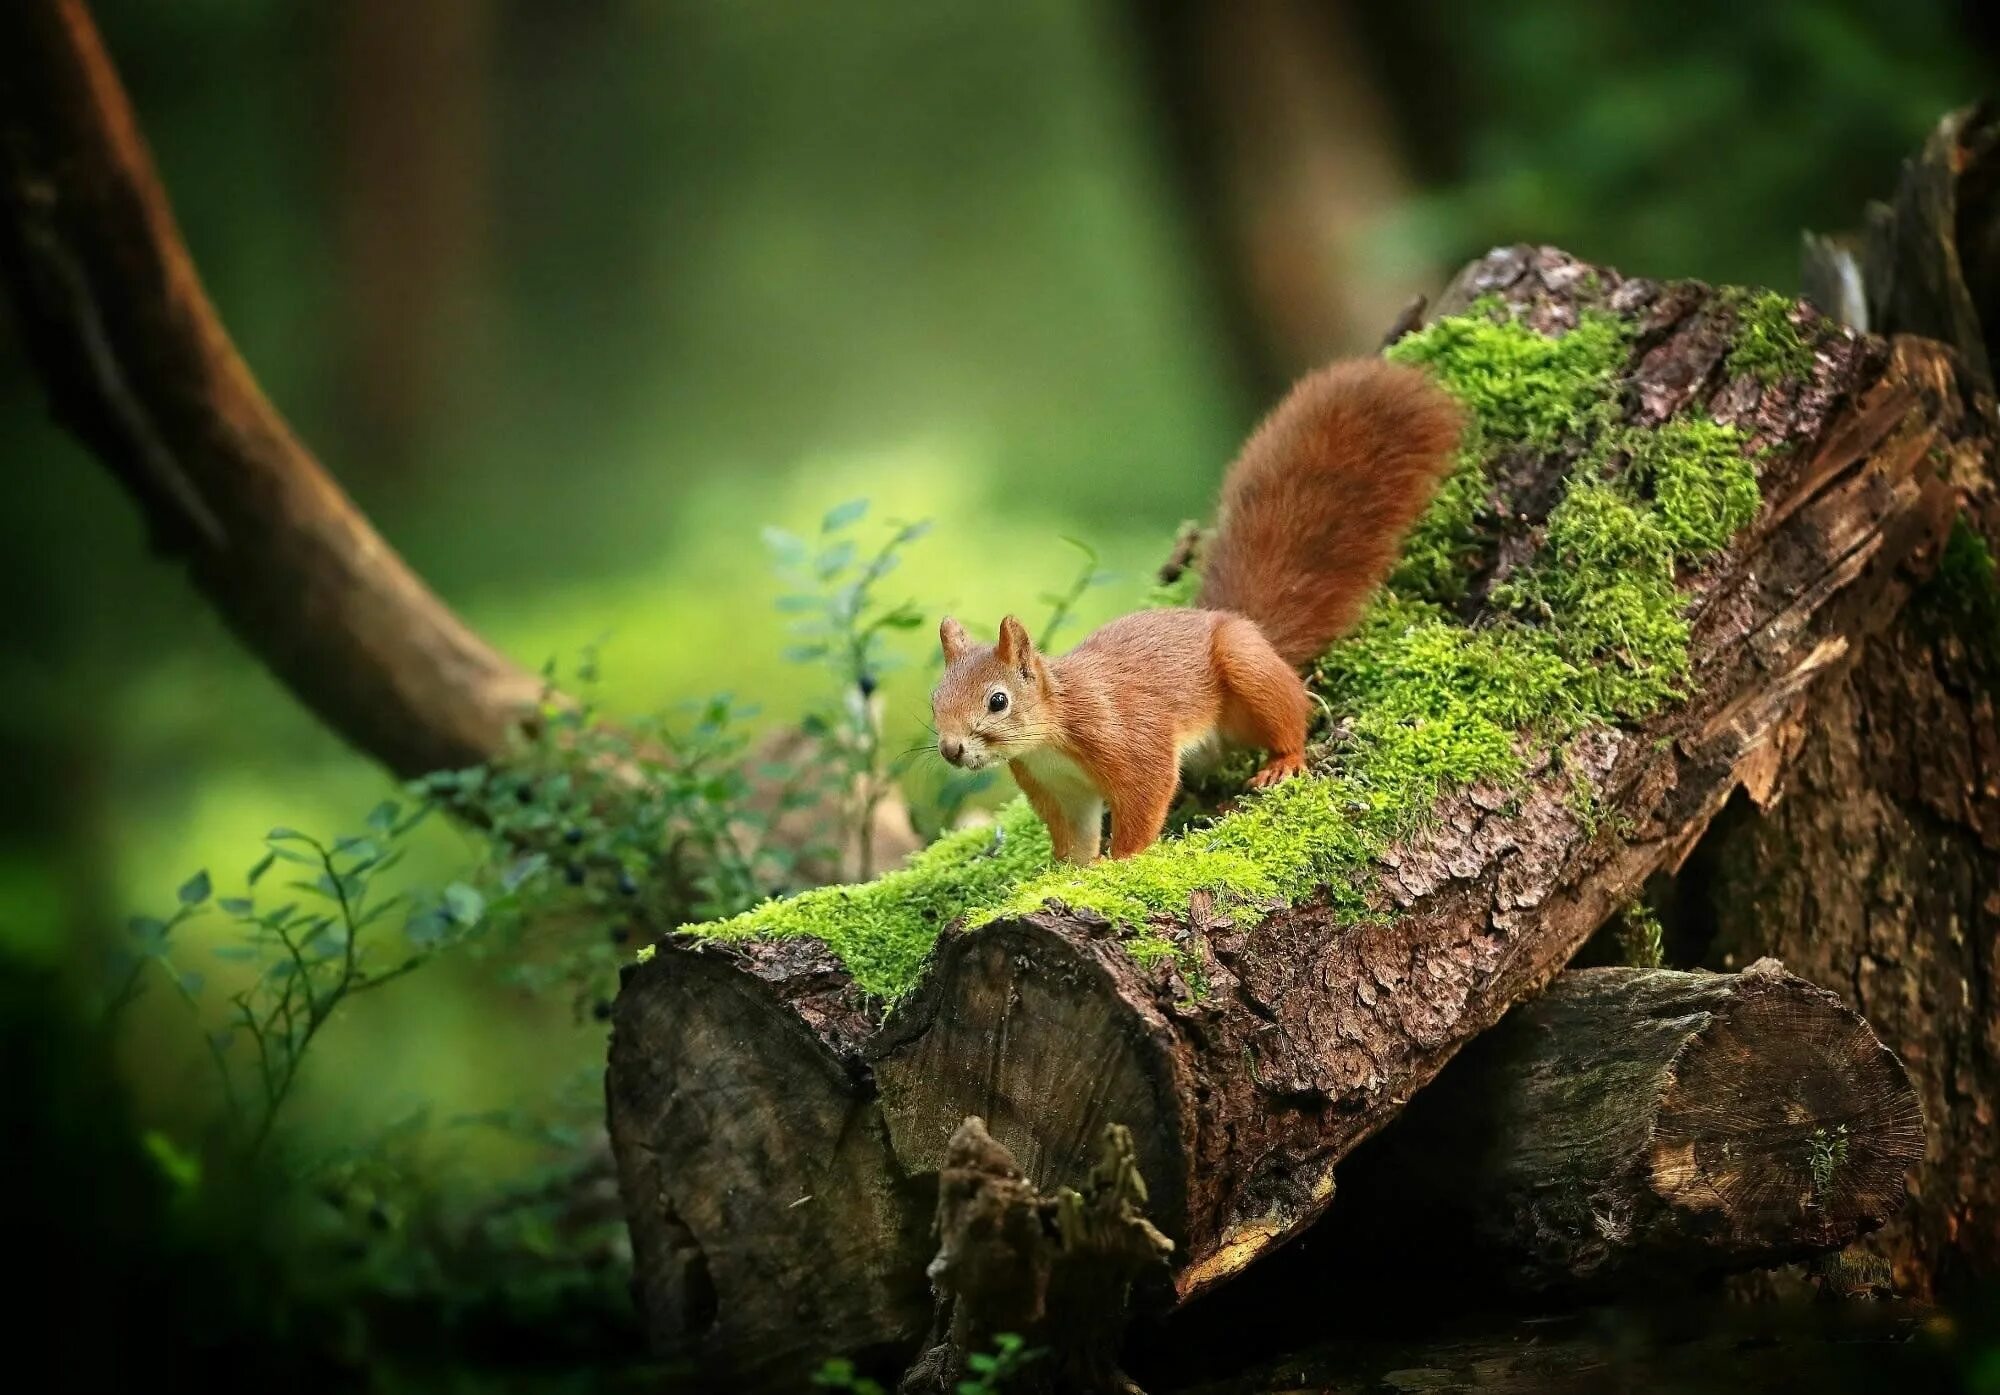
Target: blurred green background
(575,297)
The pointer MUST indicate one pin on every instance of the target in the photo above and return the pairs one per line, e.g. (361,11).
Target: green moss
(883,929)
(1703,483)
(1439,557)
(1588,632)
(1965,590)
(1768,345)
(1523,388)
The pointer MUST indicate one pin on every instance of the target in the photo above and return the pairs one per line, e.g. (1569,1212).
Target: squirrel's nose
(951,748)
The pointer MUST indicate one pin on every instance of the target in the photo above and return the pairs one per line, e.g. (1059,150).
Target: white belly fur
(1061,777)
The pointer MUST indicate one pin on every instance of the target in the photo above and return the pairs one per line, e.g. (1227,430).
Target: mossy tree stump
(1679,512)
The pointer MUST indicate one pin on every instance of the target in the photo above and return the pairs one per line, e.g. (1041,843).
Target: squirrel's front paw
(1278,768)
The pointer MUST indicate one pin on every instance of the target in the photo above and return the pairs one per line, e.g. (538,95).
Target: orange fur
(1313,513)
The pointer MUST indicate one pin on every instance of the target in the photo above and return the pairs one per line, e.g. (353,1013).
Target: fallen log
(1635,1126)
(1680,510)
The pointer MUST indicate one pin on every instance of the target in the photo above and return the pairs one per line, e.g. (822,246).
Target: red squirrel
(1313,514)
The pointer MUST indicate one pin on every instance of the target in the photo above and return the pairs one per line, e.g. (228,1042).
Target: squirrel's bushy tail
(1315,508)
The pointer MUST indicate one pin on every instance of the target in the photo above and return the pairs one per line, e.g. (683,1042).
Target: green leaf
(192,983)
(522,870)
(236,905)
(147,930)
(463,904)
(263,866)
(788,548)
(195,889)
(178,1166)
(796,604)
(382,818)
(428,930)
(804,653)
(840,515)
(281,834)
(834,560)
(239,954)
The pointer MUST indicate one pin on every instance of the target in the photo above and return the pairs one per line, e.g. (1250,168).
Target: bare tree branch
(138,366)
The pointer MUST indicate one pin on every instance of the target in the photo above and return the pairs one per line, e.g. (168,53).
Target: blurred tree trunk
(413,201)
(1290,163)
(138,366)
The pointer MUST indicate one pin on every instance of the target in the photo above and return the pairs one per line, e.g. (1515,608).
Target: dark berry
(573,873)
(378,1217)
(572,836)
(619,934)
(525,792)
(866,683)
(626,885)
(601,1010)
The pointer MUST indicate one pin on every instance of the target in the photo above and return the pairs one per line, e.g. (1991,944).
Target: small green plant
(988,1372)
(841,625)
(325,942)
(1062,604)
(992,1370)
(837,1373)
(1826,1154)
(1640,939)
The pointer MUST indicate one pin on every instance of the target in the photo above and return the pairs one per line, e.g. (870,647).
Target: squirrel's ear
(952,636)
(1015,648)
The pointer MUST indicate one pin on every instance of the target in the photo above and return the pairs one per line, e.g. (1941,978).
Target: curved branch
(140,369)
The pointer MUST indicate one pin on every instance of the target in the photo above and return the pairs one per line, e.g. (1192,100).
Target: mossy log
(1634,1125)
(1539,715)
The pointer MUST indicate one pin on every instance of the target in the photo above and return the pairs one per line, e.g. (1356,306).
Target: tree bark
(1313,1030)
(1874,868)
(1637,1125)
(141,371)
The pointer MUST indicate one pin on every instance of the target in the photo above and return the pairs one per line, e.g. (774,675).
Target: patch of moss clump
(1589,632)
(882,929)
(1964,595)
(1768,345)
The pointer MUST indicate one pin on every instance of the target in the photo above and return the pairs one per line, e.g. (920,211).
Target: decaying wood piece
(1638,1125)
(138,366)
(1310,1031)
(1052,1273)
(771,1227)
(1874,868)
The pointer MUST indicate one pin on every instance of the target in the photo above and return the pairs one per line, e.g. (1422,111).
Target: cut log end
(949,1051)
(1786,1121)
(765,1207)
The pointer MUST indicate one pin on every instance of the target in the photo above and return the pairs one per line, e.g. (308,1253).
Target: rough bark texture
(1311,1032)
(139,368)
(1048,1273)
(1633,1125)
(1875,868)
(1878,873)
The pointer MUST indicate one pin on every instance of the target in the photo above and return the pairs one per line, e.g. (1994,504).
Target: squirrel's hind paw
(1278,768)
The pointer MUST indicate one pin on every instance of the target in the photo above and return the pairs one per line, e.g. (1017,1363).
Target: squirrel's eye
(998,702)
